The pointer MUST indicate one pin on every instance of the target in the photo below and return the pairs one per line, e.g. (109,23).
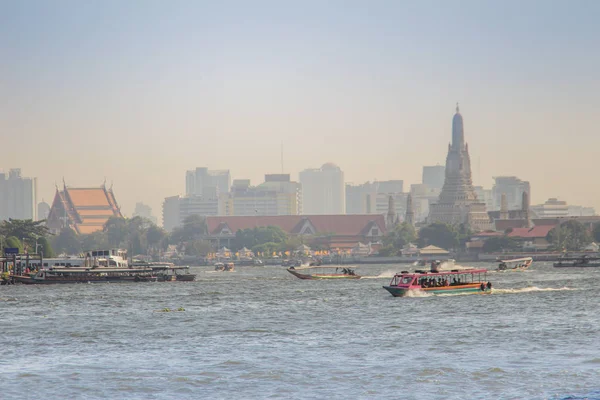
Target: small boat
(518,264)
(447,282)
(225,267)
(579,262)
(323,272)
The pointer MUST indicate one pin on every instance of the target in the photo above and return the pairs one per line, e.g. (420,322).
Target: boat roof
(453,272)
(518,259)
(324,267)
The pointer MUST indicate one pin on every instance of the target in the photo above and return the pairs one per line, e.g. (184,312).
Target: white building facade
(323,190)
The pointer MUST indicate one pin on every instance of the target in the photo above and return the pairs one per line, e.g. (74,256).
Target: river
(261,333)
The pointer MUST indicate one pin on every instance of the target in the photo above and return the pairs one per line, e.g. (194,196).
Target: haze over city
(139,92)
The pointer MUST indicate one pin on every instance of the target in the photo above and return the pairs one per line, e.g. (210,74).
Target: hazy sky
(138,92)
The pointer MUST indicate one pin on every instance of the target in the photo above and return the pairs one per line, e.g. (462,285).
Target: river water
(261,333)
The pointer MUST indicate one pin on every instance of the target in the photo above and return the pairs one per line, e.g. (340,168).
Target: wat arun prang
(458,203)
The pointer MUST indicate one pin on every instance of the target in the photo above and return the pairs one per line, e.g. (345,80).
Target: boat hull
(462,289)
(322,276)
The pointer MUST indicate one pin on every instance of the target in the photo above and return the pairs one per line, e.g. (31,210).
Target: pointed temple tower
(391,218)
(525,211)
(410,213)
(458,203)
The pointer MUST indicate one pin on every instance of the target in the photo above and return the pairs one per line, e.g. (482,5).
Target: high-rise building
(18,196)
(458,203)
(43,210)
(171,213)
(144,211)
(434,176)
(198,181)
(373,197)
(278,195)
(552,208)
(485,196)
(513,188)
(323,190)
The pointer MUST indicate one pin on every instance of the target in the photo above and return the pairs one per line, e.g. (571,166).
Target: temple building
(85,210)
(458,203)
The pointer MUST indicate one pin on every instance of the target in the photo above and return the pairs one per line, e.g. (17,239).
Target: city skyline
(169,88)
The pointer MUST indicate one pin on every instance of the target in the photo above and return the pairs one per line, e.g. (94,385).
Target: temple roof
(86,209)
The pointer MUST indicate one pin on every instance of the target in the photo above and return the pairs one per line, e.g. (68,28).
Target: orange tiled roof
(94,197)
(86,229)
(95,213)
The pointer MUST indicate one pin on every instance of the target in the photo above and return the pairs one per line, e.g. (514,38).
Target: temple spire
(458,135)
(410,213)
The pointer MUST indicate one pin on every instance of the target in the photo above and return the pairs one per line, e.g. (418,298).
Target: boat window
(407,279)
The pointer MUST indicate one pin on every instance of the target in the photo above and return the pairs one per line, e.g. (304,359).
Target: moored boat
(323,272)
(517,264)
(79,275)
(578,262)
(447,282)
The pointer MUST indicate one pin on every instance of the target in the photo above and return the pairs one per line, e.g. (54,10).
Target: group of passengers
(438,282)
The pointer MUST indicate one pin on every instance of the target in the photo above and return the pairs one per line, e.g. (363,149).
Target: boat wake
(417,293)
(530,289)
(389,274)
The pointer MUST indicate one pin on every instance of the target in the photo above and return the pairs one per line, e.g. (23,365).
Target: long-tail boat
(323,272)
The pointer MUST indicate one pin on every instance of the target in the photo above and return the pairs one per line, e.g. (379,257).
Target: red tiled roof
(535,232)
(504,224)
(338,224)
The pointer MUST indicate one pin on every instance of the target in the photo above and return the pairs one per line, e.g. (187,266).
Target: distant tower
(391,219)
(503,207)
(525,209)
(410,213)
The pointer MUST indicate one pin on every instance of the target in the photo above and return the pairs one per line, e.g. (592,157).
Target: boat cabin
(425,279)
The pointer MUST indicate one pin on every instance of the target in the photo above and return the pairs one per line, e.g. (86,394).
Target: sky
(135,93)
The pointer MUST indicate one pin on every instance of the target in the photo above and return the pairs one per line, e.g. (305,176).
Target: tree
(45,247)
(570,236)
(596,232)
(67,242)
(24,228)
(198,248)
(116,231)
(14,242)
(94,241)
(440,235)
(397,238)
(251,238)
(194,227)
(500,243)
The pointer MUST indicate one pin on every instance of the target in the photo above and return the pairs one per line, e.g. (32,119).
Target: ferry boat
(113,258)
(79,275)
(323,272)
(447,282)
(518,264)
(578,262)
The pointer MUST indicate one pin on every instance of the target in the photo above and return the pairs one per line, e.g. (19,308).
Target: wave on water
(417,293)
(389,274)
(530,289)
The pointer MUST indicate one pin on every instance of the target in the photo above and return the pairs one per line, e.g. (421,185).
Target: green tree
(116,231)
(596,232)
(251,238)
(266,248)
(198,248)
(24,228)
(440,235)
(67,242)
(45,247)
(500,243)
(14,242)
(194,227)
(95,241)
(397,238)
(570,236)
